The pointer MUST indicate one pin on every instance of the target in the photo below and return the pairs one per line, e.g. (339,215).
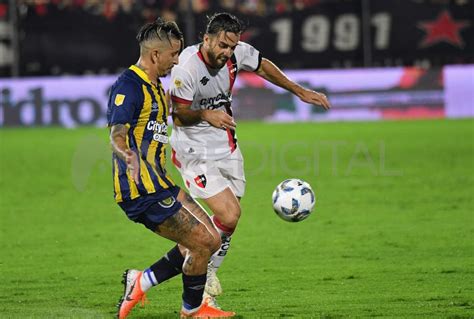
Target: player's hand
(219,119)
(133,166)
(315,98)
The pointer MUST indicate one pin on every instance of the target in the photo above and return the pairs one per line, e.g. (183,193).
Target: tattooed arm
(118,140)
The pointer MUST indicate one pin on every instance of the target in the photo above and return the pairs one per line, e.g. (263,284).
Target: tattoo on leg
(188,198)
(188,264)
(189,260)
(178,224)
(195,209)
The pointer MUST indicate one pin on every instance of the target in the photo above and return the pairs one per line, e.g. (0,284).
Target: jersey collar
(201,57)
(142,74)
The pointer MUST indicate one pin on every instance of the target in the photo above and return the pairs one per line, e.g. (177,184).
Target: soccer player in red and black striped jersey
(137,117)
(204,136)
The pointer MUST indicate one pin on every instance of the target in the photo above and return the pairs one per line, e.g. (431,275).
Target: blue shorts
(151,210)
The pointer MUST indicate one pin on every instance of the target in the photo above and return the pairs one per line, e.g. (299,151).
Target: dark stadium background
(83,36)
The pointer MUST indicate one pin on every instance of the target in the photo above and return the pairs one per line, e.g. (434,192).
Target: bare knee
(226,208)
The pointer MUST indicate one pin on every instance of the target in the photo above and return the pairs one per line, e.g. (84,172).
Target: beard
(217,61)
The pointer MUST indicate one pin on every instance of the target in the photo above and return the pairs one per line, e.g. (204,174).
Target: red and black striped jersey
(200,86)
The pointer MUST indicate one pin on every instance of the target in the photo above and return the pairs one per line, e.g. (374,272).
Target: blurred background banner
(358,94)
(64,101)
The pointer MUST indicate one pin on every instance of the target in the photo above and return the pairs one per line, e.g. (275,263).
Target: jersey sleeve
(182,87)
(248,58)
(123,102)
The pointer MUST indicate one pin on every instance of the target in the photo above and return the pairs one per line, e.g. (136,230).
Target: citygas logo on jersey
(34,103)
(216,101)
(160,131)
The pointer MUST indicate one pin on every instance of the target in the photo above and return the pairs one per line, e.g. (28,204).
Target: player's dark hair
(160,30)
(224,22)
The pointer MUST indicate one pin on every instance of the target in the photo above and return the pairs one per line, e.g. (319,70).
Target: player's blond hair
(159,30)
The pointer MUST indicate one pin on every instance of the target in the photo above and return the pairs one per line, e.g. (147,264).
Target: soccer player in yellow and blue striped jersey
(141,106)
(137,116)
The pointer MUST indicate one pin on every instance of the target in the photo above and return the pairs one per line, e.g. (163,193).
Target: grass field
(391,235)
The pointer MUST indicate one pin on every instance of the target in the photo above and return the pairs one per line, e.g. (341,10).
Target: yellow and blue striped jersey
(140,105)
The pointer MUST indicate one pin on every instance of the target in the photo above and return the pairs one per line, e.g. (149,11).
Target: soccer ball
(293,200)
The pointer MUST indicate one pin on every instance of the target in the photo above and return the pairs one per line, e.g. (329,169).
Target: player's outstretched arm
(184,116)
(118,140)
(270,72)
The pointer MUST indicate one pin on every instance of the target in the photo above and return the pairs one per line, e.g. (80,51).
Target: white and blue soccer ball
(293,200)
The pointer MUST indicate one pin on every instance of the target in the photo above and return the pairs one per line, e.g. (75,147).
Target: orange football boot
(207,311)
(133,293)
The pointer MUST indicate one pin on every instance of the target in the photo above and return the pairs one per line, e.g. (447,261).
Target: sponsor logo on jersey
(167,202)
(216,101)
(158,127)
(154,107)
(160,131)
(119,98)
(204,80)
(161,138)
(200,180)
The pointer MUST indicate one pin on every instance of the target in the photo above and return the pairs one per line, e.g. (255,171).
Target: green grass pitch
(391,235)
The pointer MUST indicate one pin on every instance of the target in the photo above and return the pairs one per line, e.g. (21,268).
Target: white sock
(218,257)
(226,234)
(148,280)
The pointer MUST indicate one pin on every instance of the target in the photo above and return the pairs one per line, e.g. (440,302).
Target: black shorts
(151,210)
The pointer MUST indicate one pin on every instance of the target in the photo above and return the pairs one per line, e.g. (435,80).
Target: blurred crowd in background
(53,37)
(169,9)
